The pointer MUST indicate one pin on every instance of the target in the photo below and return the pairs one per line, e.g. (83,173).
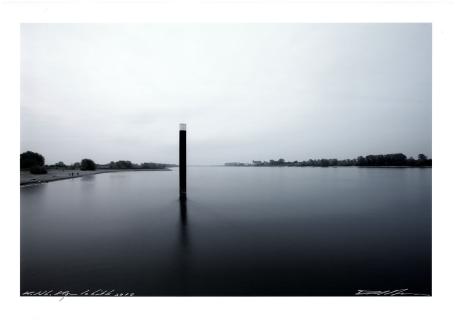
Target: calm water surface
(244,231)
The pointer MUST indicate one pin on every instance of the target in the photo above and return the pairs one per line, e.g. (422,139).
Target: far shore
(59,174)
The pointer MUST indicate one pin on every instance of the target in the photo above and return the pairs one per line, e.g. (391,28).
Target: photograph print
(255,159)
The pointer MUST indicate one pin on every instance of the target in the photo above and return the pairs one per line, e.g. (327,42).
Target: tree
(152,166)
(412,161)
(60,165)
(30,159)
(324,162)
(122,164)
(398,159)
(76,165)
(36,169)
(361,161)
(422,160)
(88,165)
(422,157)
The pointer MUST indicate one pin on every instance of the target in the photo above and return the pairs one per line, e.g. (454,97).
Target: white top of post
(182,126)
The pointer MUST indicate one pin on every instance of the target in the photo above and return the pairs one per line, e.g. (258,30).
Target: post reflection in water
(183,214)
(184,246)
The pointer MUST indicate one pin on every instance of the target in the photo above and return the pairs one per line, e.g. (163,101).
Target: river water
(243,231)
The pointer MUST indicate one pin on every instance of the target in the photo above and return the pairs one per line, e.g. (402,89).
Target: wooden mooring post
(182,161)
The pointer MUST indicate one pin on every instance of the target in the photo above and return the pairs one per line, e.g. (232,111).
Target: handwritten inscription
(388,292)
(65,293)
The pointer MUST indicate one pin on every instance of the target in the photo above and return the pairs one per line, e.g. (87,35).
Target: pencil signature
(65,293)
(389,292)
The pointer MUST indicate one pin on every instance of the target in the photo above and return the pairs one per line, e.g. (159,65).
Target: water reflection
(263,231)
(184,246)
(183,213)
(88,178)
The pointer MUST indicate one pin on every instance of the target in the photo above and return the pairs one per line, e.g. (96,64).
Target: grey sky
(246,91)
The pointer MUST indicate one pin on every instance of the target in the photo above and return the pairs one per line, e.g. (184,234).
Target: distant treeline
(121,164)
(398,159)
(126,164)
(35,163)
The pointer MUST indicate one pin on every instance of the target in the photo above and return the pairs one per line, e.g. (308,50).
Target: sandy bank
(58,174)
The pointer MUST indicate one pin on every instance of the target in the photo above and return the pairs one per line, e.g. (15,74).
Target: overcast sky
(246,91)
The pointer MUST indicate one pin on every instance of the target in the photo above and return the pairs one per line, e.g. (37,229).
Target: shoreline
(287,166)
(27,178)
